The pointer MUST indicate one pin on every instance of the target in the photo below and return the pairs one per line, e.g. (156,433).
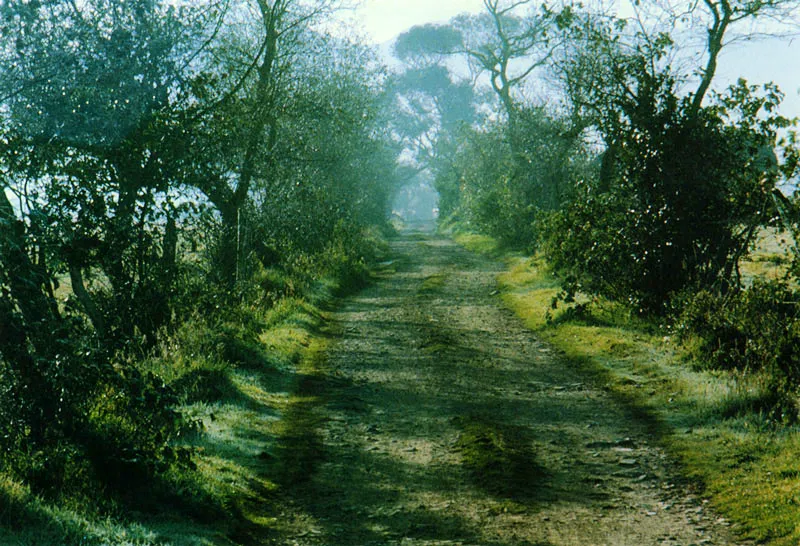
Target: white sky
(776,60)
(385,19)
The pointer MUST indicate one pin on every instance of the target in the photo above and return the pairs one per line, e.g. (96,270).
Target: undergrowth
(229,374)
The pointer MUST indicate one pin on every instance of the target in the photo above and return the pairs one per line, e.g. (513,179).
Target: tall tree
(88,142)
(244,94)
(507,45)
(434,106)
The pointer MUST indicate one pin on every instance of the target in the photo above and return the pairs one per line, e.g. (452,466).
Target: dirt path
(438,419)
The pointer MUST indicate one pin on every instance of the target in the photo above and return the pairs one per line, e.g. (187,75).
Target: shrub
(509,176)
(677,203)
(92,423)
(752,330)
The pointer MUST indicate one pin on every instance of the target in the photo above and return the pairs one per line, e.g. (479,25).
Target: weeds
(188,426)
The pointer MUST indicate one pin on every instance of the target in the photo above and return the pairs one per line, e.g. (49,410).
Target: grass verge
(745,463)
(247,377)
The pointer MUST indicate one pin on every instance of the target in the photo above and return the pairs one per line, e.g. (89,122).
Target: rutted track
(438,419)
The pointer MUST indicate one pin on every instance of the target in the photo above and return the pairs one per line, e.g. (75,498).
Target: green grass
(433,282)
(746,463)
(770,256)
(499,458)
(245,377)
(478,243)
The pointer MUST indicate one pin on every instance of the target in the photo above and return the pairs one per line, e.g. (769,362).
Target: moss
(499,458)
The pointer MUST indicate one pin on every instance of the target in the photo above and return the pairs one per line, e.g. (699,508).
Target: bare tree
(724,17)
(507,46)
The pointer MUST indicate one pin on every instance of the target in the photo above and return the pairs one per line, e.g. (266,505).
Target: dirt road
(438,419)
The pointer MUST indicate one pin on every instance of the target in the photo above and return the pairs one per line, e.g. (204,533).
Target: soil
(438,419)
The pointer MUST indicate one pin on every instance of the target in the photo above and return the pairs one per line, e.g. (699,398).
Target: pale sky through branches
(385,19)
(771,60)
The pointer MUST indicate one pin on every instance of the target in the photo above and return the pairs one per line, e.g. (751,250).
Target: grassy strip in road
(712,422)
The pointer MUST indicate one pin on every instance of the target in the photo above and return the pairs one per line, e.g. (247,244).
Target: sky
(383,20)
(775,60)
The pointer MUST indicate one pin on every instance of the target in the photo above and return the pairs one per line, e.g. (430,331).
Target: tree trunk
(86,300)
(715,36)
(25,279)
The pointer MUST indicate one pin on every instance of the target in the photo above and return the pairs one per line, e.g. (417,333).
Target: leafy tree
(332,167)
(427,45)
(678,202)
(508,192)
(245,94)
(84,158)
(432,107)
(87,142)
(530,173)
(273,137)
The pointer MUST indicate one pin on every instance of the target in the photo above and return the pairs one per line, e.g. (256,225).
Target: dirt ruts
(438,419)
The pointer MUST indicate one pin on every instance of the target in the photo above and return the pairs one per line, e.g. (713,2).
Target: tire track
(441,420)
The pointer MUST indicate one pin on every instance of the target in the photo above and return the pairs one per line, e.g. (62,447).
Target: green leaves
(427,44)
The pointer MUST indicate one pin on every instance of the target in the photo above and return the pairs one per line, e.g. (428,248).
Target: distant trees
(503,175)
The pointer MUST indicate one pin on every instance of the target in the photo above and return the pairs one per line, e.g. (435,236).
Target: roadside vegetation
(185,185)
(657,212)
(720,424)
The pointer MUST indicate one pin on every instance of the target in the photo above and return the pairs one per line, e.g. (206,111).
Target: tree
(432,106)
(428,45)
(258,65)
(90,143)
(84,159)
(681,188)
(721,18)
(508,47)
(332,168)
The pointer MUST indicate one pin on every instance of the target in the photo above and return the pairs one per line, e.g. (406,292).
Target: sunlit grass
(433,282)
(243,379)
(28,520)
(478,243)
(769,258)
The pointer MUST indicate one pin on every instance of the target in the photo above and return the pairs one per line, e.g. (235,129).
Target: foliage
(505,191)
(753,330)
(426,44)
(679,203)
(431,105)
(110,429)
(156,164)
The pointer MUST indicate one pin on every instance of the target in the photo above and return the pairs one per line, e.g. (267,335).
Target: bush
(752,330)
(88,423)
(676,205)
(509,176)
